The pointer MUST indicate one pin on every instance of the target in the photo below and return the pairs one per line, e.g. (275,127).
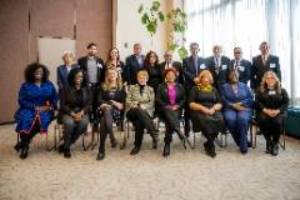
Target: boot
(18,146)
(268,146)
(24,151)
(135,150)
(275,149)
(67,153)
(166,151)
(101,155)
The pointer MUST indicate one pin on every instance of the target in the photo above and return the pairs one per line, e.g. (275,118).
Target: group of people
(212,93)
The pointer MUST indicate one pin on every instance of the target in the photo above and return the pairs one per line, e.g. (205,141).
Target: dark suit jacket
(67,100)
(258,69)
(132,66)
(82,62)
(177,66)
(189,70)
(244,69)
(218,75)
(162,99)
(62,75)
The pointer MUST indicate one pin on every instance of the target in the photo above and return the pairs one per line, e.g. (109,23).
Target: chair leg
(282,144)
(125,135)
(253,136)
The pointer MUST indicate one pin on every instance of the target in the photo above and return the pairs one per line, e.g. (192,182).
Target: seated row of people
(211,110)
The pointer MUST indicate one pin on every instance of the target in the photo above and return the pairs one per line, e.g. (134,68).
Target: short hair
(237,48)
(67,52)
(206,73)
(72,75)
(264,43)
(91,44)
(193,44)
(136,44)
(142,72)
(31,68)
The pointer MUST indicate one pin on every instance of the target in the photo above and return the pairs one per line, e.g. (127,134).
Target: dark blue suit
(219,74)
(258,69)
(244,69)
(62,76)
(237,121)
(131,67)
(190,71)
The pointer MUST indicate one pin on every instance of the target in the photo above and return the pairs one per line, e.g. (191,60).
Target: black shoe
(268,146)
(135,151)
(100,156)
(18,146)
(24,152)
(166,150)
(67,153)
(249,144)
(275,150)
(61,148)
(210,149)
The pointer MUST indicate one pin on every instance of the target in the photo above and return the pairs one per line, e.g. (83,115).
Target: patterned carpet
(186,174)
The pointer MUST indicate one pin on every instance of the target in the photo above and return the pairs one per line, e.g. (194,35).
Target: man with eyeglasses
(241,65)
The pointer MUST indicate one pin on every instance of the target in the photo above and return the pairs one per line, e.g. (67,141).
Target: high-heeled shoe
(101,155)
(18,146)
(135,151)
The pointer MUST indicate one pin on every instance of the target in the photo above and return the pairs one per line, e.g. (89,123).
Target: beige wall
(82,20)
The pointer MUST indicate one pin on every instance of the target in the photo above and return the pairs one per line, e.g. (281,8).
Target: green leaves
(150,18)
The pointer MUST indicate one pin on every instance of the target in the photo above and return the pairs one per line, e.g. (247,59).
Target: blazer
(177,66)
(258,69)
(62,75)
(82,62)
(162,99)
(219,75)
(135,98)
(244,69)
(132,66)
(189,70)
(67,100)
(243,95)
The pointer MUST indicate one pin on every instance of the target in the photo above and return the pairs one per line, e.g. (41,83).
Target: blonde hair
(263,84)
(106,85)
(205,73)
(142,72)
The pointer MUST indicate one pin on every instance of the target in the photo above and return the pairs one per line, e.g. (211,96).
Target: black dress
(271,127)
(208,124)
(154,76)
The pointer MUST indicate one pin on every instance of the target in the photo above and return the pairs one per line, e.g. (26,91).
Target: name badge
(224,67)
(99,65)
(272,65)
(242,68)
(272,92)
(202,66)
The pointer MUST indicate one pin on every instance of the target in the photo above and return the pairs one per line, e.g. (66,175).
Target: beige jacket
(145,101)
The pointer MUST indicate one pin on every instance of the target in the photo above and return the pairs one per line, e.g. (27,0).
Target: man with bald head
(170,63)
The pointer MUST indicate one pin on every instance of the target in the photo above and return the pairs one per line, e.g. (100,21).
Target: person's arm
(182,96)
(24,100)
(150,104)
(87,107)
(259,102)
(193,105)
(285,101)
(187,74)
(64,105)
(278,70)
(248,101)
(130,101)
(58,76)
(247,73)
(158,99)
(226,102)
(53,98)
(253,72)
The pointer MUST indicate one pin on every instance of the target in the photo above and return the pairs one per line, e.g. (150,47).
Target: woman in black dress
(111,99)
(152,66)
(170,100)
(271,104)
(205,105)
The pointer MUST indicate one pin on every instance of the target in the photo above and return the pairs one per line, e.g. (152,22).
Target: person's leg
(69,128)
(230,117)
(108,120)
(243,119)
(139,132)
(81,127)
(277,129)
(26,138)
(103,135)
(264,124)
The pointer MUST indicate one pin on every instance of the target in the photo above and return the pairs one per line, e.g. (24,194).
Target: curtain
(246,23)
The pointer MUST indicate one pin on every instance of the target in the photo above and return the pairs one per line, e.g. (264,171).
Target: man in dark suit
(169,63)
(192,66)
(93,69)
(241,65)
(134,62)
(218,66)
(263,63)
(63,70)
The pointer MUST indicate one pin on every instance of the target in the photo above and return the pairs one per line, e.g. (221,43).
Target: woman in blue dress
(237,108)
(37,102)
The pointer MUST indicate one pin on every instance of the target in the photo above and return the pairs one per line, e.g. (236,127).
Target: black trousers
(73,130)
(106,127)
(141,120)
(271,127)
(172,123)
(26,138)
